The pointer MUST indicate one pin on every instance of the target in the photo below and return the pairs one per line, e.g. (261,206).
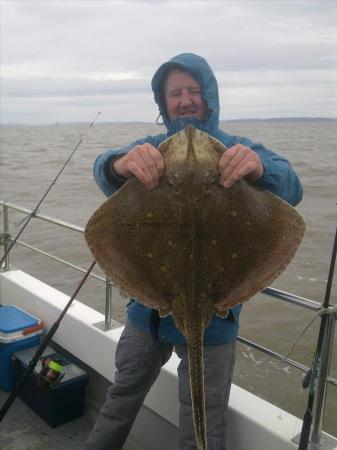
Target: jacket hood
(199,69)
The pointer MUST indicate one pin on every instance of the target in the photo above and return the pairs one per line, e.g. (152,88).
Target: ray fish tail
(196,366)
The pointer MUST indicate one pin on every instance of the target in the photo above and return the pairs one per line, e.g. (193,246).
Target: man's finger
(140,171)
(159,161)
(149,164)
(245,169)
(135,170)
(231,163)
(226,157)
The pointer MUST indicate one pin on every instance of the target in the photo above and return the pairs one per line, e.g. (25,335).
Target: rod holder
(108,304)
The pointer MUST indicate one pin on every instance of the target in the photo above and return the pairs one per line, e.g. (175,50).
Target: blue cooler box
(18,330)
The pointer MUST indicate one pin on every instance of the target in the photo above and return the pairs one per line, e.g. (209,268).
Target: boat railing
(323,376)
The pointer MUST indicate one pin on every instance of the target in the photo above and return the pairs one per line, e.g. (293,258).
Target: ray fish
(190,247)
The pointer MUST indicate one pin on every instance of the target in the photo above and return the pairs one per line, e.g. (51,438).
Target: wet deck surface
(22,429)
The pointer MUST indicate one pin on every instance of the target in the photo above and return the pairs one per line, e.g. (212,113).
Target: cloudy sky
(66,60)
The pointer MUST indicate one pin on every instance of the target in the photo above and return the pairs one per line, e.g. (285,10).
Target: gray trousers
(138,362)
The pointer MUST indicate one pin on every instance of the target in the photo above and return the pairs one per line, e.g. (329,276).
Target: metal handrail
(282,358)
(55,258)
(292,298)
(43,217)
(275,293)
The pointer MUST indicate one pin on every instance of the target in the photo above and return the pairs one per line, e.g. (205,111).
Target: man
(186,92)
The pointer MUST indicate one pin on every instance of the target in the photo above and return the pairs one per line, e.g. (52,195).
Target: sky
(63,61)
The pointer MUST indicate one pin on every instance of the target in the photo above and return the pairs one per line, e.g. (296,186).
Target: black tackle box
(58,403)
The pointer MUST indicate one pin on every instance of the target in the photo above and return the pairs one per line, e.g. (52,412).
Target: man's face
(182,95)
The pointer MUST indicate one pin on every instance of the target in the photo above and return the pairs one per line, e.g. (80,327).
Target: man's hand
(144,162)
(238,162)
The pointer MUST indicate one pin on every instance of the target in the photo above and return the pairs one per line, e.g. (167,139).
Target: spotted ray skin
(191,247)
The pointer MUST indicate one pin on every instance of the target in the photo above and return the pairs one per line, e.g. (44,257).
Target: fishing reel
(51,373)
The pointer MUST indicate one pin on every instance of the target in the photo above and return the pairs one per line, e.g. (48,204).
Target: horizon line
(248,119)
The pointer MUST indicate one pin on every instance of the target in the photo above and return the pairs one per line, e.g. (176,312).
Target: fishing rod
(12,396)
(34,212)
(312,374)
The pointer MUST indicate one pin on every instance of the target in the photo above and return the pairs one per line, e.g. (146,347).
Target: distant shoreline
(253,119)
(285,119)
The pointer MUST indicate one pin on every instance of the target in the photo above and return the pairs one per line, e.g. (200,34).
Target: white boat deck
(22,429)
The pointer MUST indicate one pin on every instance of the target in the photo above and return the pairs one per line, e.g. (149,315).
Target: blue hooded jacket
(278,177)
